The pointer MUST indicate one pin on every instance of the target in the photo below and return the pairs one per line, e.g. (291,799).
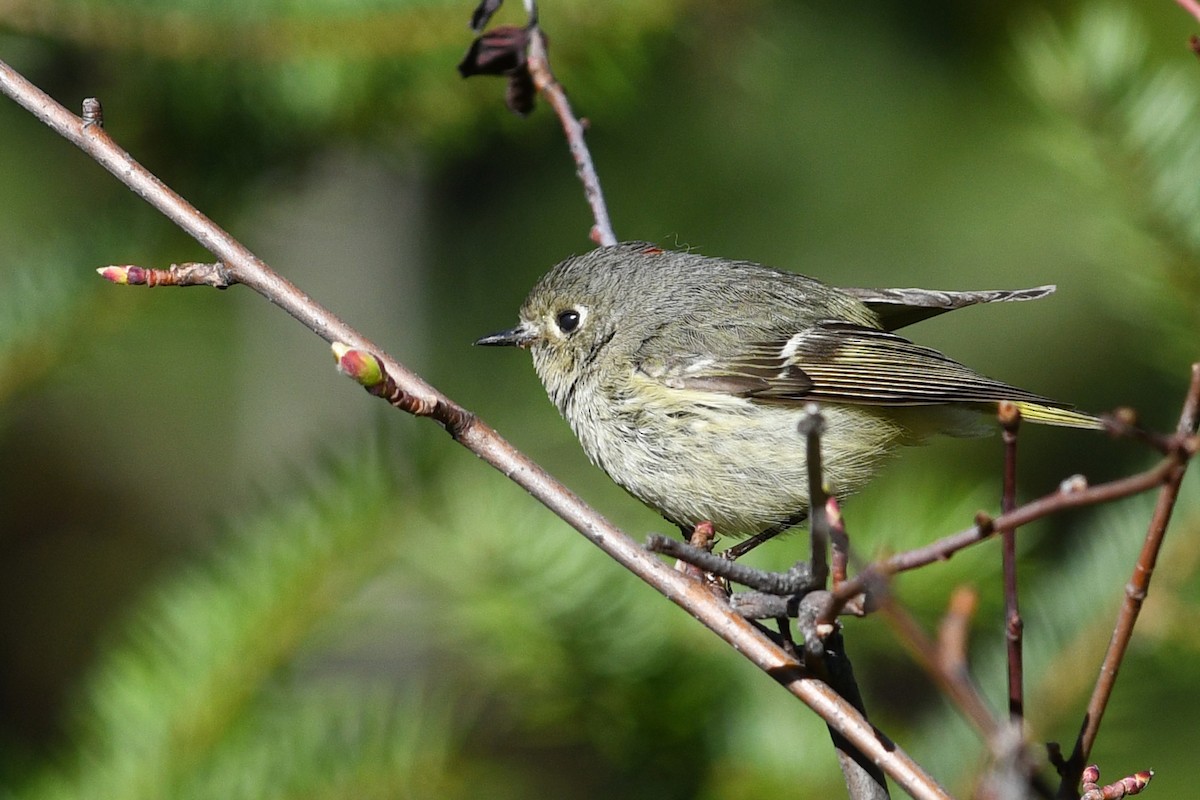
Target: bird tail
(1049,415)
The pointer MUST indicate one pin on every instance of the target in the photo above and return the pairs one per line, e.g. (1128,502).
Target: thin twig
(1135,595)
(190,273)
(797,580)
(551,89)
(1123,422)
(1067,496)
(484,441)
(1010,423)
(839,543)
(826,652)
(955,683)
(954,629)
(812,428)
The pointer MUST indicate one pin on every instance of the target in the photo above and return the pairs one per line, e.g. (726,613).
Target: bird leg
(701,539)
(745,546)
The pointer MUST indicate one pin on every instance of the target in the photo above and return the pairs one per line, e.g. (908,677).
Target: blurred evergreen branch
(341,741)
(310,72)
(206,656)
(1127,122)
(574,654)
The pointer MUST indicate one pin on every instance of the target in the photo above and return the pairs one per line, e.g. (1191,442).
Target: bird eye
(568,320)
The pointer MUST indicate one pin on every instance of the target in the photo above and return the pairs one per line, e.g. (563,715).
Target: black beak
(519,336)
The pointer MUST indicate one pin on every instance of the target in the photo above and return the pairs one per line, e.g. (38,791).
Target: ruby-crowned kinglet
(685,377)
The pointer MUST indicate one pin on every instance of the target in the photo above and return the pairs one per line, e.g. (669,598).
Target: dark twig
(1135,593)
(1010,423)
(796,580)
(824,648)
(763,605)
(864,780)
(812,428)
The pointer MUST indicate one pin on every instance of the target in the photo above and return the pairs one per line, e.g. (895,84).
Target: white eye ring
(570,320)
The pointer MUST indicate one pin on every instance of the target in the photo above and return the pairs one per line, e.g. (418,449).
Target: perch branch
(472,433)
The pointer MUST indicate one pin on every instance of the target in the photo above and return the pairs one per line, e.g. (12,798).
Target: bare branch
(1010,423)
(1069,495)
(406,391)
(954,629)
(1135,592)
(422,399)
(812,428)
(520,54)
(549,87)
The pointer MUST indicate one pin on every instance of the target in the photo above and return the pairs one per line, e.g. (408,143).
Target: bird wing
(900,307)
(841,362)
(850,363)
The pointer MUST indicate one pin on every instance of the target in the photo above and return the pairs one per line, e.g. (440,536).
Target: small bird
(685,377)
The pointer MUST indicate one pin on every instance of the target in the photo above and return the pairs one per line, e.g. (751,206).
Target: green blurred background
(227,572)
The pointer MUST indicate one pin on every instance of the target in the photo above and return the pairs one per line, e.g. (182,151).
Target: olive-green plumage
(685,377)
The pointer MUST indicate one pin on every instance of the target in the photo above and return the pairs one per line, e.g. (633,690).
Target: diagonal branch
(420,398)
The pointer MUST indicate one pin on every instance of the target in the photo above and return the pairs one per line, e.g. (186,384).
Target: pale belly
(736,463)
